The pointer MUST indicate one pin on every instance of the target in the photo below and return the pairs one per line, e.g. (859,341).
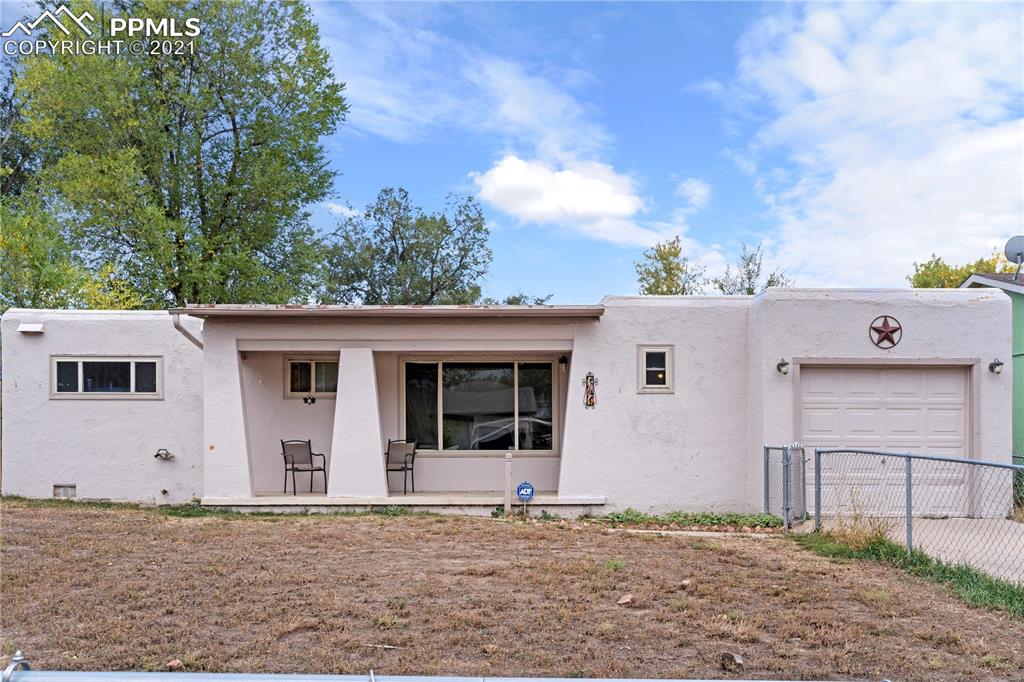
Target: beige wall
(271,417)
(104,446)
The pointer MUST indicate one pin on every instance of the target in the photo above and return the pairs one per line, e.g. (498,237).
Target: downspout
(186,333)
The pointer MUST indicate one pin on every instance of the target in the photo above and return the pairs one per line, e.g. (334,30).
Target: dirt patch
(94,589)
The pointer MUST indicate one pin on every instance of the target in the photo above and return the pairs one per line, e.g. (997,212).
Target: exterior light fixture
(563,363)
(996,366)
(309,399)
(782,366)
(164,454)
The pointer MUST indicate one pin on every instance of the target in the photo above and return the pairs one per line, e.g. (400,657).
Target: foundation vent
(65,491)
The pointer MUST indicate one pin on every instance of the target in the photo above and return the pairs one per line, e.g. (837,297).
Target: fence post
(787,459)
(767,478)
(910,506)
(817,489)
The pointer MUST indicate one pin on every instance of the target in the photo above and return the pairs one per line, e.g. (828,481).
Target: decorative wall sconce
(782,366)
(563,364)
(589,392)
(309,399)
(996,366)
(163,454)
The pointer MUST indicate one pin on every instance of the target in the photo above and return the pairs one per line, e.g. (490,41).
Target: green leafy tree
(188,175)
(394,253)
(936,273)
(747,278)
(665,271)
(518,298)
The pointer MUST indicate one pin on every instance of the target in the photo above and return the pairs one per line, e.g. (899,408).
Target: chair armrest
(319,454)
(410,459)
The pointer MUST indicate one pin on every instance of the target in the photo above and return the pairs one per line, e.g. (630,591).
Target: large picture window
(106,377)
(311,376)
(486,405)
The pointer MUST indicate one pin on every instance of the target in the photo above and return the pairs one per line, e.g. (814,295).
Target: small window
(106,377)
(311,376)
(655,369)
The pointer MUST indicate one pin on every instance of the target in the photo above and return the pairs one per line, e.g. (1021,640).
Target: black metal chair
(404,451)
(298,456)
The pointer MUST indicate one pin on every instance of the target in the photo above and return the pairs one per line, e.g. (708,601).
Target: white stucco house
(686,391)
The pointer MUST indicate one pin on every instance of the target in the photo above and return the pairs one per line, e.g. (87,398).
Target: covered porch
(468,390)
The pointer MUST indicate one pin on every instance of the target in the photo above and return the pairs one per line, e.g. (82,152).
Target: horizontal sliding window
(311,376)
(499,405)
(106,377)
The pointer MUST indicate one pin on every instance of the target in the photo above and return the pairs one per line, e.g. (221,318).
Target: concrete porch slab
(471,503)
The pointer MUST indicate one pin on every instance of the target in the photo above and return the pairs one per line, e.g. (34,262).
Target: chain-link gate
(785,483)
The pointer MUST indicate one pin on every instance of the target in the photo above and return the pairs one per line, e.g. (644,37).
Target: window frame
(515,359)
(642,351)
(311,360)
(82,394)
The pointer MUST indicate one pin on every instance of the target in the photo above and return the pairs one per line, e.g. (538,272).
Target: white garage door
(898,409)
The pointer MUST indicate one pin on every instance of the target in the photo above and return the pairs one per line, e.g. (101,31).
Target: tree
(747,278)
(518,298)
(665,271)
(395,254)
(935,273)
(188,175)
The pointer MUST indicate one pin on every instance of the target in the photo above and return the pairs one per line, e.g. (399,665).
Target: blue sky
(852,140)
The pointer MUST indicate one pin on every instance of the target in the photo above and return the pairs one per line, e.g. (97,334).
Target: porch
(467,390)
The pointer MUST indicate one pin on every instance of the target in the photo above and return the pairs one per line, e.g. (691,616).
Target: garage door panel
(864,422)
(862,384)
(905,422)
(822,422)
(904,384)
(945,422)
(948,384)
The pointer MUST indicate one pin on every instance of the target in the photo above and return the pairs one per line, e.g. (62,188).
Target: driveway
(995,546)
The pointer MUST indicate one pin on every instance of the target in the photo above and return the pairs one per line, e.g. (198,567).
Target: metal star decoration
(886,331)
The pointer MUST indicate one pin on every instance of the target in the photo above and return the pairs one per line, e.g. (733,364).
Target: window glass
(106,377)
(145,377)
(67,377)
(326,377)
(655,369)
(421,404)
(478,400)
(535,406)
(300,378)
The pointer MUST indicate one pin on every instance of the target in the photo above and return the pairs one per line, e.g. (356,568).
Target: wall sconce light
(163,454)
(309,399)
(563,363)
(996,366)
(782,366)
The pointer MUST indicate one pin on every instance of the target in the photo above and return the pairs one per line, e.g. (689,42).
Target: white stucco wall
(697,448)
(684,450)
(103,446)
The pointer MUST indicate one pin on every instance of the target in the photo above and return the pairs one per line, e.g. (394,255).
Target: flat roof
(223,310)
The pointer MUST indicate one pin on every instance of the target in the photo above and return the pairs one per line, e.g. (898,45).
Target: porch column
(225,446)
(357,458)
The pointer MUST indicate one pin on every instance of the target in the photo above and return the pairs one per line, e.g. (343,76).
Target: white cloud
(340,210)
(895,131)
(695,191)
(588,196)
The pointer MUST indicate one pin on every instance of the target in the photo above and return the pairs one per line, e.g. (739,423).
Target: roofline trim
(979,280)
(392,312)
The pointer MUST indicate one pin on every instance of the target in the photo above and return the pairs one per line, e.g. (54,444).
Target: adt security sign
(524,491)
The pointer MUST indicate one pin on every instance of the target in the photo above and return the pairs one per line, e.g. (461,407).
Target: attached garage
(903,409)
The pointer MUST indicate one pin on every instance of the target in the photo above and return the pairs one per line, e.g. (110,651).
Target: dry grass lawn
(88,588)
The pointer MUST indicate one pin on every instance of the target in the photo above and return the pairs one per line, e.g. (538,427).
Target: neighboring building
(686,390)
(1013,285)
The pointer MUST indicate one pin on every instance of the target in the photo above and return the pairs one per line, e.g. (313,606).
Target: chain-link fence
(785,483)
(957,510)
